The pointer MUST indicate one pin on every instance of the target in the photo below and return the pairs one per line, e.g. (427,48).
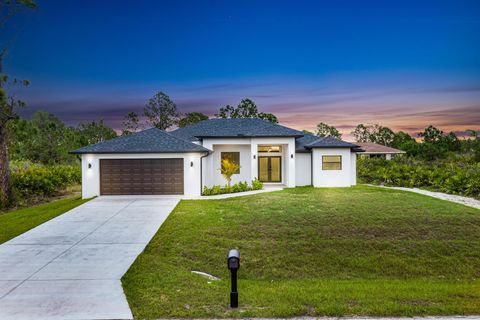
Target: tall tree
(474,143)
(361,133)
(436,144)
(161,112)
(8,104)
(131,123)
(473,133)
(191,118)
(245,109)
(225,112)
(268,116)
(381,135)
(376,134)
(43,139)
(431,134)
(324,130)
(95,132)
(400,139)
(46,139)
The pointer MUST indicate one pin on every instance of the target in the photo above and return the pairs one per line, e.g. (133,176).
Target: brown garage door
(141,176)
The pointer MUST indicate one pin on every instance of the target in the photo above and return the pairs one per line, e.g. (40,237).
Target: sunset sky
(402,64)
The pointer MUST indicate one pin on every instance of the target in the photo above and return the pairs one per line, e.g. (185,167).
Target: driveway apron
(70,267)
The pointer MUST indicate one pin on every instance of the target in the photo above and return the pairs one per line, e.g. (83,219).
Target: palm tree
(228,169)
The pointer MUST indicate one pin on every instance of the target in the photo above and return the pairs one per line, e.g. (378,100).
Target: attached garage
(141,176)
(150,162)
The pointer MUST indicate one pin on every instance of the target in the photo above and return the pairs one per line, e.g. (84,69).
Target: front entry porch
(270,168)
(268,159)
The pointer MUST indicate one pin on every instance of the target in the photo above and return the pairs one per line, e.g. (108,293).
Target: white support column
(290,164)
(254,158)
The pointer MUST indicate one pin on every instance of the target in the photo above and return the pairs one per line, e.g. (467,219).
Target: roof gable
(230,128)
(147,141)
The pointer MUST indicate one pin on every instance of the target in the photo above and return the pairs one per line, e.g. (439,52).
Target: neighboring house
(374,150)
(185,160)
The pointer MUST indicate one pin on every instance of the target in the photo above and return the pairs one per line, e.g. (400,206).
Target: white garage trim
(91,170)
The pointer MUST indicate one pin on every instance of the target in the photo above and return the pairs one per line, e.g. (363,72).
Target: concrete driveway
(70,267)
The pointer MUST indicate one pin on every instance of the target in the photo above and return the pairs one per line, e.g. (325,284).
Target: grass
(16,222)
(305,251)
(35,200)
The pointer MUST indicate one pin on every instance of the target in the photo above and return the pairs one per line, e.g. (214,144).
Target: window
(234,157)
(331,162)
(269,149)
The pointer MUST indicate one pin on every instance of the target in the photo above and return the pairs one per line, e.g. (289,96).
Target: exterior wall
(303,169)
(332,178)
(248,159)
(91,176)
(353,168)
(211,163)
(214,175)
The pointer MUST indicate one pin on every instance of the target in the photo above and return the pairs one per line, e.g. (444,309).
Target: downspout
(311,167)
(201,171)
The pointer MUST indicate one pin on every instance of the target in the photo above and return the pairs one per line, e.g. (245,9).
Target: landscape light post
(233,264)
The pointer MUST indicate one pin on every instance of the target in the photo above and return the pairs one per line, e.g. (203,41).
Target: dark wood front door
(141,176)
(270,169)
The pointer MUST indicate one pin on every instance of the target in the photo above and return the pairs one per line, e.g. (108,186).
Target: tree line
(434,143)
(162,113)
(46,139)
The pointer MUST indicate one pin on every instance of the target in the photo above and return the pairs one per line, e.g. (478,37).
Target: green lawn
(305,251)
(16,222)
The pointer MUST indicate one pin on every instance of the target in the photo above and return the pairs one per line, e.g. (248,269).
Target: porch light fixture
(89,165)
(254,157)
(191,163)
(291,156)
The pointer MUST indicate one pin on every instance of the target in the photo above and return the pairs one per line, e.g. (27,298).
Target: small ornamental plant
(228,169)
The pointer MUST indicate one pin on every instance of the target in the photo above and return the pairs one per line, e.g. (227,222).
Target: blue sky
(406,64)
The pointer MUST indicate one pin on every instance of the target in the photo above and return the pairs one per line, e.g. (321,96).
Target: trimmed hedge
(237,187)
(460,176)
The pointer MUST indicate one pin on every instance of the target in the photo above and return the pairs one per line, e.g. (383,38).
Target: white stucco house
(185,160)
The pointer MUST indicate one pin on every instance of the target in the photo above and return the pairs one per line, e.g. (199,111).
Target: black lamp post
(233,263)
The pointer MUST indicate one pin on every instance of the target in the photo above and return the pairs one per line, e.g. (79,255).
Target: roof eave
(249,136)
(383,152)
(354,149)
(330,147)
(138,152)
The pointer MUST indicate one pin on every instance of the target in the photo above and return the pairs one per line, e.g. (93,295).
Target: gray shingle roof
(330,142)
(301,143)
(216,128)
(309,141)
(147,141)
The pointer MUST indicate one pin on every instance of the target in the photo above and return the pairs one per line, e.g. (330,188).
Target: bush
(457,175)
(31,180)
(238,187)
(257,184)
